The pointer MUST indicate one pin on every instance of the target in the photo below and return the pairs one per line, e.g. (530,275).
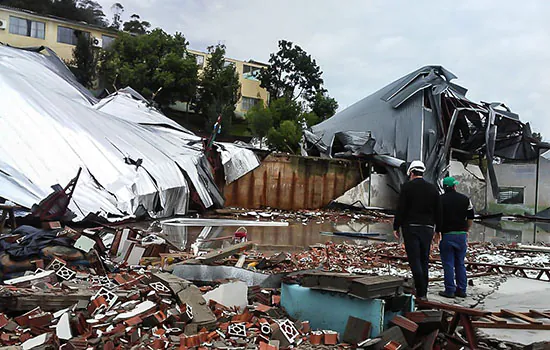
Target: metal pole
(536,196)
(537,183)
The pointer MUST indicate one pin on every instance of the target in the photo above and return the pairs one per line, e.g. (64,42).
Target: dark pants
(453,251)
(418,240)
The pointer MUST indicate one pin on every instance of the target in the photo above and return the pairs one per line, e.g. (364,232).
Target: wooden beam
(540,313)
(452,307)
(520,316)
(525,326)
(496,319)
(219,254)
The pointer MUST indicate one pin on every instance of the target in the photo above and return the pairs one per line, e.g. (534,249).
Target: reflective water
(297,236)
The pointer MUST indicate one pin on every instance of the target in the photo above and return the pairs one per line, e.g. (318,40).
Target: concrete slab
(519,294)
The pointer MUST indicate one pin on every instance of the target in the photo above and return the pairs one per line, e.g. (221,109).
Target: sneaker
(422,298)
(461,294)
(446,295)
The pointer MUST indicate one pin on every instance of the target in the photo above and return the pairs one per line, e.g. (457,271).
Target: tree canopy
(298,99)
(88,11)
(292,73)
(136,26)
(323,106)
(219,88)
(156,65)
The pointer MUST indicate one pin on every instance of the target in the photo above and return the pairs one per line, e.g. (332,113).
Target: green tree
(260,121)
(285,138)
(297,97)
(84,62)
(88,11)
(280,122)
(156,65)
(323,106)
(219,89)
(136,26)
(292,73)
(285,109)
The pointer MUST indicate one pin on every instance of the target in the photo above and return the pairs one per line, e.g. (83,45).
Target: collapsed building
(425,116)
(133,159)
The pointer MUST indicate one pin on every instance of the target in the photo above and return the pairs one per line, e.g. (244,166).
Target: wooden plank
(540,313)
(452,307)
(520,316)
(429,340)
(469,330)
(496,319)
(221,253)
(524,326)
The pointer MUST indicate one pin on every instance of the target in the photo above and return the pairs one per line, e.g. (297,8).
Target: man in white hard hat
(418,216)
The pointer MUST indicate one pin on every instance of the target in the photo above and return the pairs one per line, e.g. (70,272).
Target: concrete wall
(293,182)
(64,51)
(372,192)
(522,175)
(472,183)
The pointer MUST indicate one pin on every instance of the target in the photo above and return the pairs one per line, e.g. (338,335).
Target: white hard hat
(416,165)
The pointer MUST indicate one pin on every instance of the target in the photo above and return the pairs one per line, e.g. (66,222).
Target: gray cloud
(498,49)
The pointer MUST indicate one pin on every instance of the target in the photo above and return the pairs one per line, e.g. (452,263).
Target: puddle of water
(297,236)
(293,236)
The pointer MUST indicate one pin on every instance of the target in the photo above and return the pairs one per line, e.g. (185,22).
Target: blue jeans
(453,251)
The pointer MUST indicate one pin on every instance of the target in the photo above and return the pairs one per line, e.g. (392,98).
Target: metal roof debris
(133,157)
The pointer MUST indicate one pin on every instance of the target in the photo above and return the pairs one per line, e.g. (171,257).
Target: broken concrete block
(237,330)
(316,338)
(330,337)
(44,276)
(63,327)
(189,294)
(140,309)
(230,294)
(356,331)
(84,243)
(36,341)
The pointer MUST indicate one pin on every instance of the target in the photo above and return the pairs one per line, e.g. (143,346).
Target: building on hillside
(23,28)
(251,92)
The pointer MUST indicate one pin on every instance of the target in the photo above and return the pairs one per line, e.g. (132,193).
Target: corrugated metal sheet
(293,182)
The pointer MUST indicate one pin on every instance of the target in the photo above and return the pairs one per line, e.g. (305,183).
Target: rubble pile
(384,258)
(110,288)
(305,216)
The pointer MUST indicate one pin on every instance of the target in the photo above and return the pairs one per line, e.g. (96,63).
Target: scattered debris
(93,292)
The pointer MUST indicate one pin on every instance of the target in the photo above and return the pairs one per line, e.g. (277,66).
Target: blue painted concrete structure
(330,310)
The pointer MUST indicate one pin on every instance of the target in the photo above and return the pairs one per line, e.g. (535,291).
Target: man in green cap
(457,218)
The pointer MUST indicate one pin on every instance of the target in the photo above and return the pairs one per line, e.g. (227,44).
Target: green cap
(450,181)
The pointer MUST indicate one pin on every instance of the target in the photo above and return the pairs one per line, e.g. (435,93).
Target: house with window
(23,28)
(251,92)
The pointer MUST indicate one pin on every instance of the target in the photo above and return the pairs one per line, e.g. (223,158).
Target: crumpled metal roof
(132,155)
(421,116)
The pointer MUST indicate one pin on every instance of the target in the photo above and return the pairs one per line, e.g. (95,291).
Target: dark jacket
(457,209)
(419,204)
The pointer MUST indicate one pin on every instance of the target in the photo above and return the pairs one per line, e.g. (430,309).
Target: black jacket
(457,210)
(419,204)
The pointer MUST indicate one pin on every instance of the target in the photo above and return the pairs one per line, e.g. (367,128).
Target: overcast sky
(499,49)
